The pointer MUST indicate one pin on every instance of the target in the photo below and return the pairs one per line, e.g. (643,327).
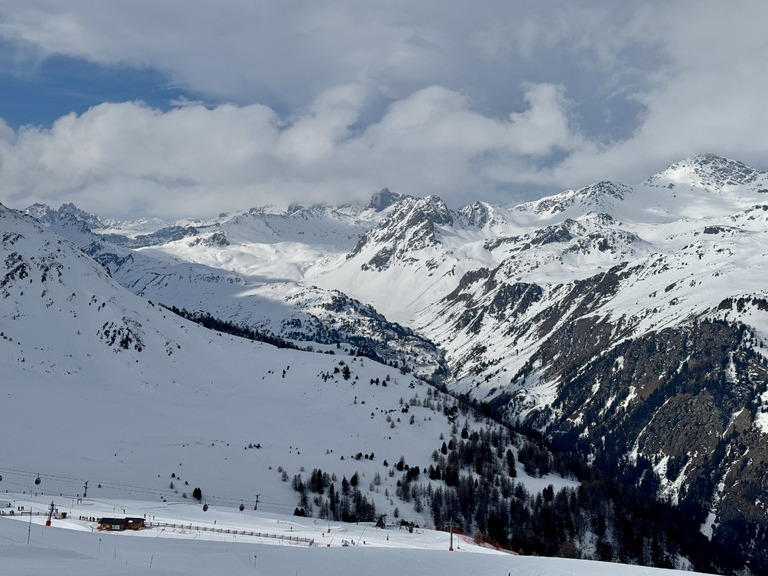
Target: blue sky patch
(60,85)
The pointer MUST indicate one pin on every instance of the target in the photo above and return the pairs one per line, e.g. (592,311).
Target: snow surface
(180,407)
(186,540)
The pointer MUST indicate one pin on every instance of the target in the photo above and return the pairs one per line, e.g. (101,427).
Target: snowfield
(192,542)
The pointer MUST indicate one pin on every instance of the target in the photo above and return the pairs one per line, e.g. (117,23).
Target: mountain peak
(67,211)
(708,171)
(601,196)
(409,226)
(384,199)
(478,214)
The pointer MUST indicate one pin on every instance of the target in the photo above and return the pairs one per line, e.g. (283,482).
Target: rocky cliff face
(679,409)
(410,227)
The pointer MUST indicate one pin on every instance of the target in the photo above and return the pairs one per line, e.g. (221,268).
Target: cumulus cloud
(7,135)
(283,55)
(331,101)
(119,158)
(707,96)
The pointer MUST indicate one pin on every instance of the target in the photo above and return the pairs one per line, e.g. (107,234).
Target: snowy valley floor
(187,540)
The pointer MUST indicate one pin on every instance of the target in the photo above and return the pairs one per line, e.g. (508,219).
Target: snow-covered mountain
(250,269)
(119,390)
(111,394)
(624,322)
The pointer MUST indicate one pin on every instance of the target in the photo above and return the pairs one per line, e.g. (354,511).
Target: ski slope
(72,546)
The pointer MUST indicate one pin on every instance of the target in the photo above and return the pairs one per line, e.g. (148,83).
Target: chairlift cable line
(215,499)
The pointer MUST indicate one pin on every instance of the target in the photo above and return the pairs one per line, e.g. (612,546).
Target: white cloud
(315,136)
(281,53)
(334,100)
(7,135)
(707,96)
(117,158)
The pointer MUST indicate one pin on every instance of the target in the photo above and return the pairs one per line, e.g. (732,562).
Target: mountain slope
(624,323)
(124,393)
(638,344)
(106,389)
(220,270)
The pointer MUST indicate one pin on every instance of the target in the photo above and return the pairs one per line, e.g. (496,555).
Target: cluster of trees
(212,323)
(472,481)
(345,503)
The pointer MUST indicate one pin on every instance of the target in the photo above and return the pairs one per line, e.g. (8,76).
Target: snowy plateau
(581,376)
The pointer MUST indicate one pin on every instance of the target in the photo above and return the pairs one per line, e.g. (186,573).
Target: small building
(112,524)
(134,523)
(120,524)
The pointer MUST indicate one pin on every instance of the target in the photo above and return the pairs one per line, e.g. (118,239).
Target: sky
(189,108)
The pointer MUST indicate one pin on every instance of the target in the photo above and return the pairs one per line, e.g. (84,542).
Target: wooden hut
(120,524)
(112,524)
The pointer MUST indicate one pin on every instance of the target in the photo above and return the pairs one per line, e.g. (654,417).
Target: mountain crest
(383,199)
(709,171)
(480,215)
(599,197)
(410,226)
(68,211)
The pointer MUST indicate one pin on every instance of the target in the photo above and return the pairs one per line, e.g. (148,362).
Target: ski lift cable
(214,499)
